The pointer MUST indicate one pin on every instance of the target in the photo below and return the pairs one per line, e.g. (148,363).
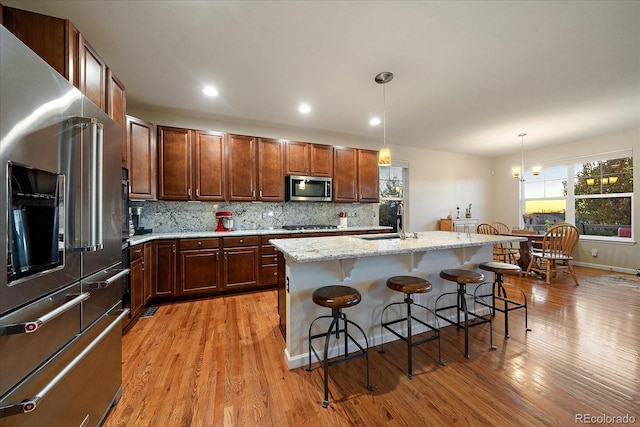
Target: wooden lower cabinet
(241,262)
(136,280)
(199,261)
(164,260)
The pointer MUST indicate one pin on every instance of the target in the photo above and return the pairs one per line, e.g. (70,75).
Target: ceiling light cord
(522,135)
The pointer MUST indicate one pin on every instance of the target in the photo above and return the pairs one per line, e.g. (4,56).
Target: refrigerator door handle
(94,241)
(33,325)
(30,404)
(105,283)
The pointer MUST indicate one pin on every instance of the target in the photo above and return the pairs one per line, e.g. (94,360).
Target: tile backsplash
(164,217)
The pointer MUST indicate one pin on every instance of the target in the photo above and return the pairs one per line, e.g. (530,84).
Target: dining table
(525,245)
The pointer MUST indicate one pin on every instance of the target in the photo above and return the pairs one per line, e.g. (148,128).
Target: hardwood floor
(219,362)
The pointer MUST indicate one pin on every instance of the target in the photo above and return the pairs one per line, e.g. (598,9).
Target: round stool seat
(461,276)
(336,296)
(409,284)
(499,267)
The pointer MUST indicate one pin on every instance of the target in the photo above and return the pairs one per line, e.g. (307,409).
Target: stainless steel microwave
(307,188)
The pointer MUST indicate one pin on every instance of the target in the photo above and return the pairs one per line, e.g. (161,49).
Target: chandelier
(518,171)
(384,156)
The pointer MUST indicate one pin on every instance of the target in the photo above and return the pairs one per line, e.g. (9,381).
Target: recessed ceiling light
(374,122)
(304,108)
(210,91)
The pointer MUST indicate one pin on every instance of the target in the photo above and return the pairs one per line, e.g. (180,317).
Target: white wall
(505,196)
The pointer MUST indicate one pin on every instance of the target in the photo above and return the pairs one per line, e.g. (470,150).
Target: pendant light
(518,172)
(384,156)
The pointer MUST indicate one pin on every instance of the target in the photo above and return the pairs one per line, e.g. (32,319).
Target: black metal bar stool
(471,318)
(499,292)
(336,298)
(409,285)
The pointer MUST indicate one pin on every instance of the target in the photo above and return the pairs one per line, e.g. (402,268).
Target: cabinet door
(270,170)
(368,176)
(321,160)
(345,163)
(209,166)
(117,109)
(92,79)
(174,163)
(241,267)
(148,268)
(297,158)
(143,159)
(241,163)
(45,35)
(136,280)
(164,272)
(199,271)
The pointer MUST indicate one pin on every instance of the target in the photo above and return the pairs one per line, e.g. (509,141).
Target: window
(603,197)
(392,189)
(596,195)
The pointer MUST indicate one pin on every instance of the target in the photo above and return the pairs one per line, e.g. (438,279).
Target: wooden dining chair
(511,248)
(556,252)
(500,251)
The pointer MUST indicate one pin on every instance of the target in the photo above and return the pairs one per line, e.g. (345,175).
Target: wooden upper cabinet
(345,180)
(92,78)
(241,164)
(303,158)
(368,176)
(321,160)
(255,169)
(143,158)
(355,175)
(52,39)
(270,170)
(117,110)
(209,166)
(190,164)
(174,163)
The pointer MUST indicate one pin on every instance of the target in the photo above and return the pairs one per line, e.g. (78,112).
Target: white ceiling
(469,76)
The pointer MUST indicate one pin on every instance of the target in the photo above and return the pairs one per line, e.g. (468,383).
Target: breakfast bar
(364,262)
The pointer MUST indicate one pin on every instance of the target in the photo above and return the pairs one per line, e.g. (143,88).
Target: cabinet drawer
(269,275)
(241,241)
(136,252)
(269,259)
(212,243)
(269,250)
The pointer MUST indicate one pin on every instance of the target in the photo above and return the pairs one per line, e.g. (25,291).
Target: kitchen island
(365,262)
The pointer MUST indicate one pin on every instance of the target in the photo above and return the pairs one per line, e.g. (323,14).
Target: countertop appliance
(60,299)
(300,188)
(225,221)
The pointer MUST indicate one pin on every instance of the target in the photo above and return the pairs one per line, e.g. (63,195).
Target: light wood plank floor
(219,362)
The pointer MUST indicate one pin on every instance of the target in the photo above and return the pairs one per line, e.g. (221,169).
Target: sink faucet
(399,221)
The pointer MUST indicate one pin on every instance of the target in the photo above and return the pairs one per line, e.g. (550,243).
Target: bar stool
(499,292)
(336,298)
(462,278)
(409,285)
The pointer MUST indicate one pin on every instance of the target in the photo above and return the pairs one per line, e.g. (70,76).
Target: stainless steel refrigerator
(60,299)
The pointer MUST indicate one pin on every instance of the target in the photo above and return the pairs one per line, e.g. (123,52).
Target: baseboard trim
(605,267)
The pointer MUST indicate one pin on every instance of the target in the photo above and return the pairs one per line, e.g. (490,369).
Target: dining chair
(500,252)
(511,248)
(555,252)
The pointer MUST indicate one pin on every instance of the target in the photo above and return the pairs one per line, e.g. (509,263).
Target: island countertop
(314,249)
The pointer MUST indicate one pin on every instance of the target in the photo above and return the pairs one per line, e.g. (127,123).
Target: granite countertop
(344,247)
(136,240)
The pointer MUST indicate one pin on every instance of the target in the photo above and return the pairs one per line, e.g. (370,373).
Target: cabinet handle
(261,194)
(197,192)
(275,273)
(189,192)
(241,241)
(253,193)
(173,248)
(137,251)
(199,243)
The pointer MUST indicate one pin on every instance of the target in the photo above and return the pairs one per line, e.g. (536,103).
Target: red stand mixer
(225,221)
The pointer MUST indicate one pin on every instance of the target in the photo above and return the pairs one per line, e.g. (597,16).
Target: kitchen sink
(380,237)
